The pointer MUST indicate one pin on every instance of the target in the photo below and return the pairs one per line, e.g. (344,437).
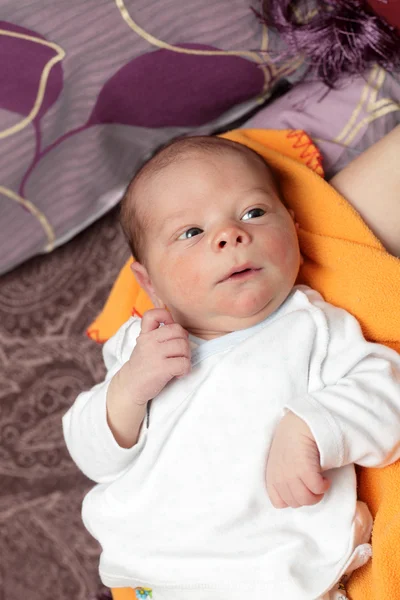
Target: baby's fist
(160,354)
(294,475)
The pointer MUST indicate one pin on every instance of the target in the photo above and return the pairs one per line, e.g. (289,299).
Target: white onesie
(185,512)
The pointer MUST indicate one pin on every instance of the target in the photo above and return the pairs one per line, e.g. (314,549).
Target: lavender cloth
(343,122)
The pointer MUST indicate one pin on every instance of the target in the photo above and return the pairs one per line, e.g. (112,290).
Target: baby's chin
(249,308)
(234,320)
(244,320)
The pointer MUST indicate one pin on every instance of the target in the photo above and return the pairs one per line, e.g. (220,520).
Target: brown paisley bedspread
(46,359)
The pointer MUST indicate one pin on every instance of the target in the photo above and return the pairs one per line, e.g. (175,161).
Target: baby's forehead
(174,166)
(167,168)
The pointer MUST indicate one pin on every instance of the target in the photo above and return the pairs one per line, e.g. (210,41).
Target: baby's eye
(189,233)
(253,213)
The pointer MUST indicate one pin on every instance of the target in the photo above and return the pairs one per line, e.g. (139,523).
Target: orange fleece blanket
(349,266)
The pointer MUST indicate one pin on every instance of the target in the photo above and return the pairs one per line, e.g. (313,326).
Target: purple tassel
(343,38)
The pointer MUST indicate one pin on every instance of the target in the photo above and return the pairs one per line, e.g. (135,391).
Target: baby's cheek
(186,278)
(283,249)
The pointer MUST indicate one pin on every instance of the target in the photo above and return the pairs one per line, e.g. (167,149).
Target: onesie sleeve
(355,415)
(88,437)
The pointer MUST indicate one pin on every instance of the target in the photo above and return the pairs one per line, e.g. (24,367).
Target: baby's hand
(294,475)
(160,354)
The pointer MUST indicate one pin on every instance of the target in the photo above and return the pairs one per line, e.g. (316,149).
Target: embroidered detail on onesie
(142,592)
(339,592)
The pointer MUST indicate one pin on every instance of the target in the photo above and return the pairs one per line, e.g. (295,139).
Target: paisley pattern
(45,361)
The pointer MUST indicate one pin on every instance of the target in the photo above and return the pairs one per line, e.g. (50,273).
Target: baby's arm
(354,418)
(102,428)
(294,473)
(371,183)
(160,354)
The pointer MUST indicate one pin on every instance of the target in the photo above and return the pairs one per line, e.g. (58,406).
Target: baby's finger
(153,318)
(175,348)
(275,497)
(287,496)
(178,366)
(303,495)
(171,332)
(316,482)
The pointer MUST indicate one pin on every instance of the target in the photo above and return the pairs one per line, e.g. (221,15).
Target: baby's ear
(144,280)
(291,212)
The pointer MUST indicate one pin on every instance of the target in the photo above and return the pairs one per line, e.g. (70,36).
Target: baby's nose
(230,236)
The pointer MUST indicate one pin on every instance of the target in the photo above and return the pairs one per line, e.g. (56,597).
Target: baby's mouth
(241,273)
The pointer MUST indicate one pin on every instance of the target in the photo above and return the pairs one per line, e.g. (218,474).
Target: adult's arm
(371,183)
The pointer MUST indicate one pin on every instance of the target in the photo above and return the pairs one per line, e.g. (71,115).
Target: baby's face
(221,249)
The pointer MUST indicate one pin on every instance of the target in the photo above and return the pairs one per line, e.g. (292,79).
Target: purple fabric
(341,37)
(16,67)
(161,101)
(344,121)
(88,91)
(46,360)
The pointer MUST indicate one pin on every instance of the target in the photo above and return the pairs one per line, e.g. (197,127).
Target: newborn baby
(239,395)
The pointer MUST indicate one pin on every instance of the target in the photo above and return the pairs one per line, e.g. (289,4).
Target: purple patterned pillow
(343,122)
(89,89)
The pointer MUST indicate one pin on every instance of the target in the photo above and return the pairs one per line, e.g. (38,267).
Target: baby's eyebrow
(258,191)
(173,217)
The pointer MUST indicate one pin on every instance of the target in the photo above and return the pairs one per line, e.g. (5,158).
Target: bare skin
(371,183)
(294,475)
(160,354)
